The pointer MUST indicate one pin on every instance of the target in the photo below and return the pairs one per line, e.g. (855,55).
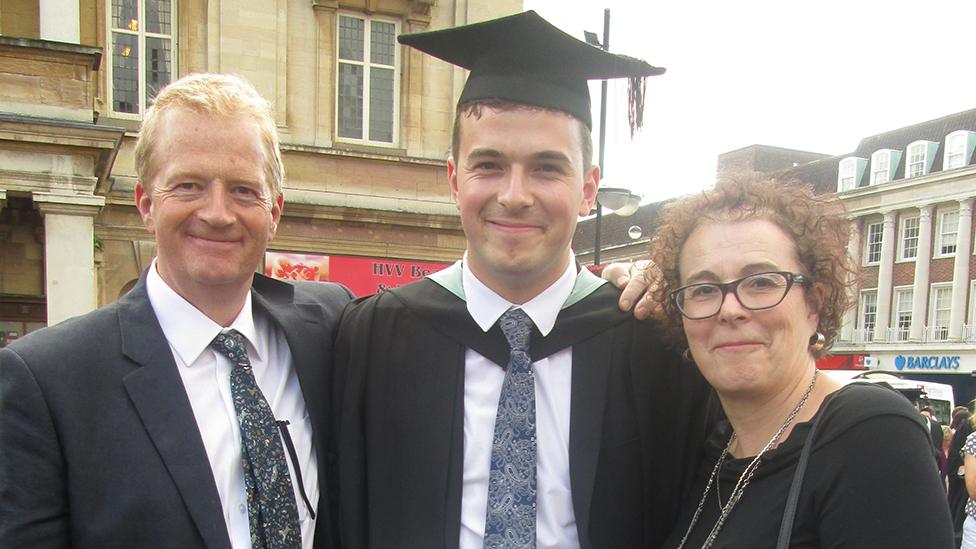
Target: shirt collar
(486,307)
(186,328)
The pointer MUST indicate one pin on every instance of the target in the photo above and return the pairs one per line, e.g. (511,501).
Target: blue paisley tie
(511,482)
(271,509)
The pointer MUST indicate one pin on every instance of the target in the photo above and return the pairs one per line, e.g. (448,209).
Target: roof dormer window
(849,173)
(920,156)
(883,164)
(959,149)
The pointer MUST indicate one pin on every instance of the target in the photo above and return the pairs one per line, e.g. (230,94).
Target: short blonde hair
(218,95)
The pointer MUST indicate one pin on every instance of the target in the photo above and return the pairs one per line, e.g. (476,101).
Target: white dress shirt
(206,377)
(556,521)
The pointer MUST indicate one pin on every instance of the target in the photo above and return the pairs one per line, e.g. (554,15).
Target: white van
(937,395)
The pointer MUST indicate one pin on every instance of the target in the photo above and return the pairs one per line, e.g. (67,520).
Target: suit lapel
(310,351)
(157,392)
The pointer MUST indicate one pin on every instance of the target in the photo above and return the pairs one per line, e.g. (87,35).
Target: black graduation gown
(638,419)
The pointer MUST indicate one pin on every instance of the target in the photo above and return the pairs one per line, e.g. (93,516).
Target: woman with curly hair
(755,274)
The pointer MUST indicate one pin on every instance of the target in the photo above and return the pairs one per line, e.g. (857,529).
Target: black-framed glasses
(755,292)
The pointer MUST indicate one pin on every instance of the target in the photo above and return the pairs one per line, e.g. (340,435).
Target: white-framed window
(367,80)
(972,306)
(917,154)
(941,308)
(846,178)
(881,167)
(872,243)
(849,173)
(868,313)
(141,46)
(957,149)
(947,233)
(902,314)
(909,238)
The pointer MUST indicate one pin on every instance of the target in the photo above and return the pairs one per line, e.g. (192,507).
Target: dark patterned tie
(271,509)
(511,483)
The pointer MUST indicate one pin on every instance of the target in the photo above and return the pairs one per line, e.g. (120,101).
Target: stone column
(960,271)
(849,322)
(60,20)
(923,261)
(883,319)
(69,253)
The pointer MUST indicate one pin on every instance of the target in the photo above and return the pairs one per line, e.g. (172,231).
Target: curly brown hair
(816,224)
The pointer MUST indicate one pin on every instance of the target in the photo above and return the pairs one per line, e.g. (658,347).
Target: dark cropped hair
(816,224)
(473,108)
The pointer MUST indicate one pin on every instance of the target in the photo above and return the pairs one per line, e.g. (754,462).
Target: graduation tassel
(636,89)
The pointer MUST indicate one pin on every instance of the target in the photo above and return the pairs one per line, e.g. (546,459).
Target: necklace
(744,478)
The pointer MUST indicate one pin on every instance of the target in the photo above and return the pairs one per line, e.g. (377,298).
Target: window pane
(351,40)
(159,65)
(916,160)
(125,15)
(943,309)
(910,238)
(350,101)
(869,309)
(873,249)
(903,313)
(159,16)
(949,231)
(382,40)
(955,147)
(381,105)
(125,73)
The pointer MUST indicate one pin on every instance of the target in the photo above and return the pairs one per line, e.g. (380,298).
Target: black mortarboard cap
(524,59)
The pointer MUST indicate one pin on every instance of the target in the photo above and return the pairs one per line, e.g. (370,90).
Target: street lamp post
(592,39)
(621,201)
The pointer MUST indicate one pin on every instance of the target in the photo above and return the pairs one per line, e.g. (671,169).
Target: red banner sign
(362,275)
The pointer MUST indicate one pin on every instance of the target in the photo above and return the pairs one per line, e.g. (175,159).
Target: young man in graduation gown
(506,401)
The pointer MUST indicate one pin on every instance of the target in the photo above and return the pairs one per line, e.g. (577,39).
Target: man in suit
(180,415)
(506,401)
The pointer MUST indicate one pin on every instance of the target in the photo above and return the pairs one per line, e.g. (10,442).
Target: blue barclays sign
(926,362)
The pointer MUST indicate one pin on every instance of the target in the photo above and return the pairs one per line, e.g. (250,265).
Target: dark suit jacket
(638,419)
(98,444)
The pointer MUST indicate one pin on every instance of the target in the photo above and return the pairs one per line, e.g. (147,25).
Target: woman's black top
(871,481)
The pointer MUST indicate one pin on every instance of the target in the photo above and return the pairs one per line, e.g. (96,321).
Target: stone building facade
(365,130)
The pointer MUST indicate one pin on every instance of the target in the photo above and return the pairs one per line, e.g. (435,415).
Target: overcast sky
(810,75)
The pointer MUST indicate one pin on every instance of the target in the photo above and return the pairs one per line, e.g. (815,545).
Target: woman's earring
(817,342)
(686,355)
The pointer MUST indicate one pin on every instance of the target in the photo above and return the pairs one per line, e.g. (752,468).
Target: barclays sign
(927,362)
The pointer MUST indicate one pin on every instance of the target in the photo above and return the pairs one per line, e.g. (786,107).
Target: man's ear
(452,178)
(276,207)
(591,181)
(144,205)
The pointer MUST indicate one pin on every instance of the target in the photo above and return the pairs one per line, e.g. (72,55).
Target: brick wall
(903,274)
(941,270)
